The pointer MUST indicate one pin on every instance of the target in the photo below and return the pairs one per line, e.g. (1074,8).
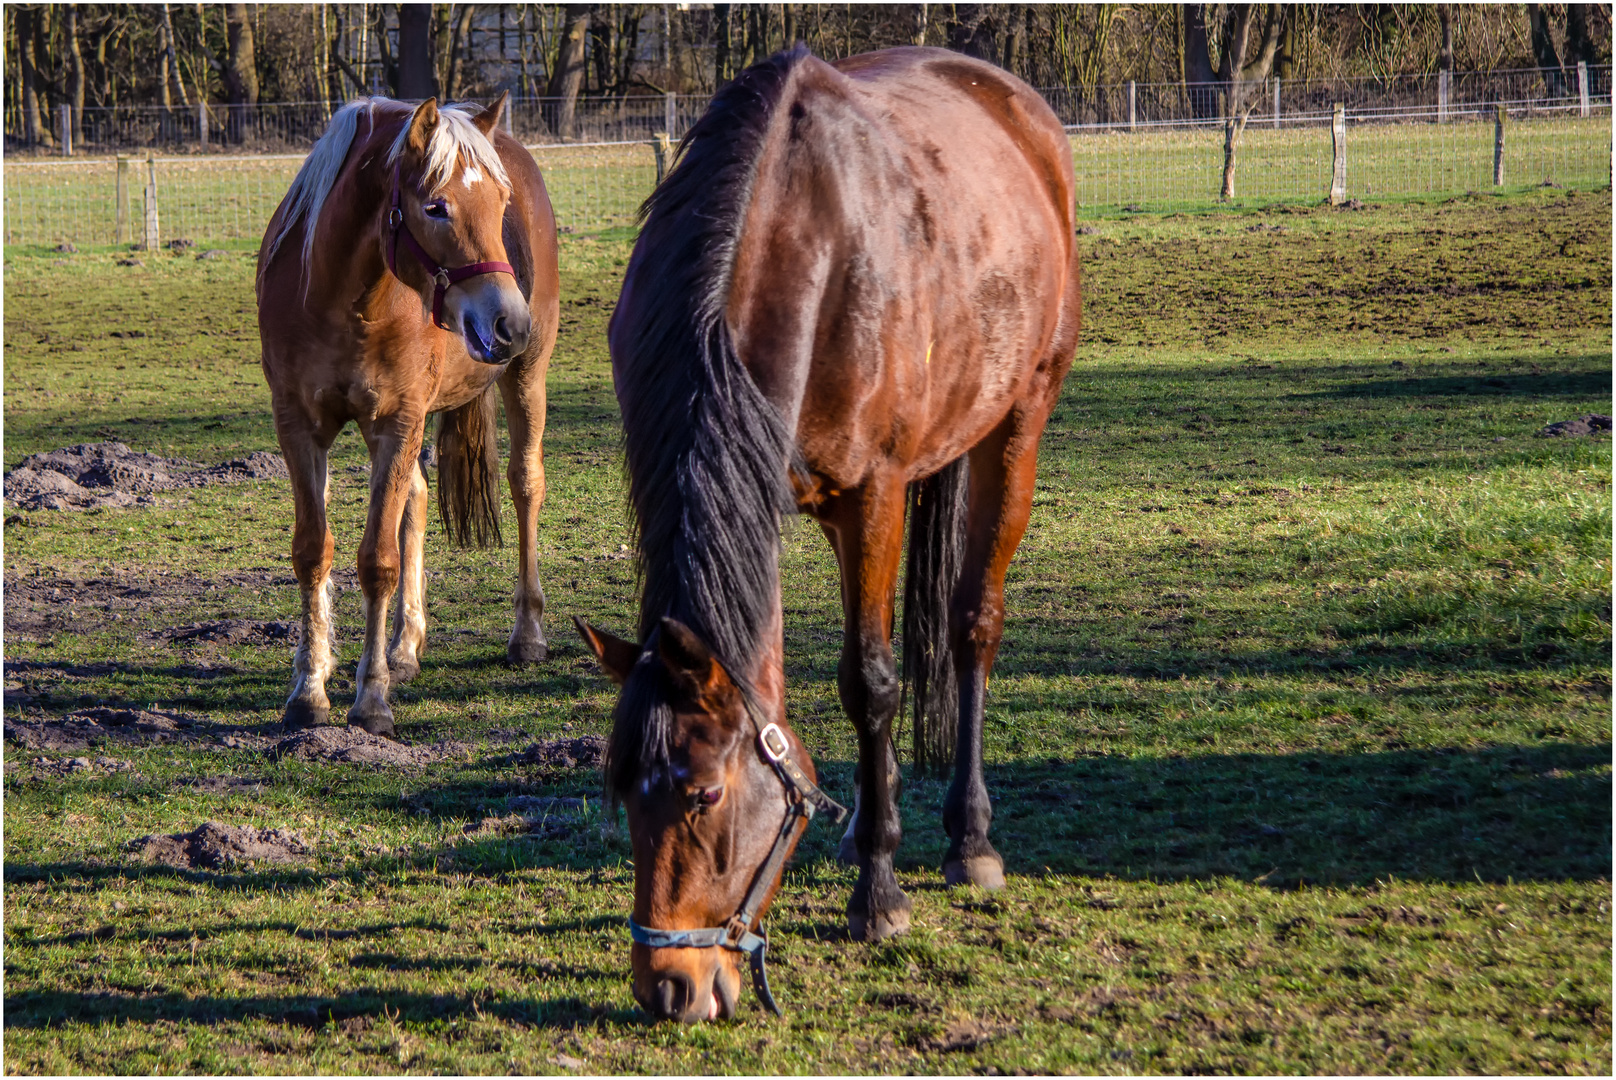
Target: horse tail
(468,472)
(936,551)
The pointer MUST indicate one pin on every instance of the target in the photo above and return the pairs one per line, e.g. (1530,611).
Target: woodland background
(173,56)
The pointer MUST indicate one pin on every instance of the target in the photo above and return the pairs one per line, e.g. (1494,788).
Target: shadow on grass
(1582,384)
(53,1008)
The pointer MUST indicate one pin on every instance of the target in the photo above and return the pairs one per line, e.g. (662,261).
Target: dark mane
(707,454)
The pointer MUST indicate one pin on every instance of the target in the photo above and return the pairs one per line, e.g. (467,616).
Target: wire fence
(1158,167)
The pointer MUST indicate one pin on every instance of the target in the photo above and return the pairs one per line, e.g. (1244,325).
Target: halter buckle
(395,218)
(770,751)
(442,278)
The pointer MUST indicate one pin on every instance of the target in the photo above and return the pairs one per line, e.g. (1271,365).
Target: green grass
(1299,738)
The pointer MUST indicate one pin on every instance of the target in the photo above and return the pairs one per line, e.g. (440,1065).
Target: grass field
(1299,740)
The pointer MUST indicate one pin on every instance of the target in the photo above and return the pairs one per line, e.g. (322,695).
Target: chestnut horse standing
(410,269)
(859,280)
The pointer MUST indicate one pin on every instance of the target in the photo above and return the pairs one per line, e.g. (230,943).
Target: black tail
(468,472)
(936,550)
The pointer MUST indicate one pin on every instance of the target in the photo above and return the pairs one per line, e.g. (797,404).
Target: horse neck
(348,249)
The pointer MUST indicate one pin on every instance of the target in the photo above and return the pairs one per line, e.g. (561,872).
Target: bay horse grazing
(411,269)
(859,279)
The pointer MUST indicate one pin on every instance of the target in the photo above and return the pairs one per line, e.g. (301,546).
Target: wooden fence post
(202,123)
(1133,105)
(121,209)
(1444,91)
(670,114)
(662,145)
(64,122)
(151,237)
(1499,114)
(1582,86)
(1338,145)
(1276,101)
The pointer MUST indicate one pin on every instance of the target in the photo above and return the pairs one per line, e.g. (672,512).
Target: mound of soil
(355,746)
(89,727)
(212,846)
(45,766)
(109,474)
(585,751)
(1592,424)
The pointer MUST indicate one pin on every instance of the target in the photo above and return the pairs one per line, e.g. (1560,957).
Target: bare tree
(240,68)
(1445,16)
(1548,58)
(462,34)
(417,78)
(35,130)
(1240,77)
(568,74)
(917,24)
(75,72)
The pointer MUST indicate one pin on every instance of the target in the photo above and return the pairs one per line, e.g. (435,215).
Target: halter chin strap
(804,799)
(442,278)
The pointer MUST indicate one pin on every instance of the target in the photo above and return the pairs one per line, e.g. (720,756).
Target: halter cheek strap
(805,799)
(442,278)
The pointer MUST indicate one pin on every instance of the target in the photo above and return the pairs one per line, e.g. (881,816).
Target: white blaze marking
(471,175)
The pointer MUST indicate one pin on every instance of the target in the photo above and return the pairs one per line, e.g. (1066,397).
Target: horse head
(447,209)
(716,797)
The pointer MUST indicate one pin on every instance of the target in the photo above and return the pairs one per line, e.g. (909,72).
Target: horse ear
(422,124)
(685,655)
(616,656)
(489,118)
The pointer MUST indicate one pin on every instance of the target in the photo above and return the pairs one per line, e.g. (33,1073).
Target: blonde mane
(454,135)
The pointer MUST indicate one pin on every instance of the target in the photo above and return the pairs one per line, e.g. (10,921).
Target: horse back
(907,267)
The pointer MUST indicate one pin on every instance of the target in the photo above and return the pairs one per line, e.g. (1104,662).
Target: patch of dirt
(1592,424)
(236,632)
(212,846)
(963,1035)
(354,746)
(100,765)
(109,474)
(90,727)
(222,785)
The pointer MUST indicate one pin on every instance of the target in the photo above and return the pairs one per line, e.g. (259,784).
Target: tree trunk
(973,32)
(240,69)
(417,78)
(788,25)
(1015,39)
(34,130)
(1200,81)
(600,37)
(1444,17)
(1548,59)
(172,56)
(628,38)
(1578,44)
(917,24)
(568,74)
(462,33)
(75,72)
(720,46)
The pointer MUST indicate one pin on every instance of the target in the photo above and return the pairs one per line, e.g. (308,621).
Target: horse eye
(708,797)
(436,210)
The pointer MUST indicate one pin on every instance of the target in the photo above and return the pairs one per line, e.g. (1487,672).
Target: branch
(348,70)
(1258,69)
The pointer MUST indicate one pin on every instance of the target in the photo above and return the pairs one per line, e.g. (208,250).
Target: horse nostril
(502,331)
(672,996)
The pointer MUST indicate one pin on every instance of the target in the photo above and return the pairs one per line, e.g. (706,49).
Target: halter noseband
(805,800)
(442,278)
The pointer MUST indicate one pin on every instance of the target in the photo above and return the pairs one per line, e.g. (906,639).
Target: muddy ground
(109,474)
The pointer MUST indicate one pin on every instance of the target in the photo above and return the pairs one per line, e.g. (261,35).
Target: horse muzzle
(493,319)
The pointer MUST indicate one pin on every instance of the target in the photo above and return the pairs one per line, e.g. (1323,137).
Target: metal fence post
(1133,105)
(1499,114)
(202,123)
(1582,86)
(1338,144)
(64,122)
(1444,90)
(1276,101)
(662,146)
(121,208)
(510,107)
(670,114)
(150,239)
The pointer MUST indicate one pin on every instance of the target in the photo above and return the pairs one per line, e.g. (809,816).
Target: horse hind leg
(312,549)
(409,618)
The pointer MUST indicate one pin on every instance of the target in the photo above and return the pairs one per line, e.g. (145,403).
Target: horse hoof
(523,653)
(401,671)
(300,714)
(983,871)
(882,925)
(377,723)
(847,852)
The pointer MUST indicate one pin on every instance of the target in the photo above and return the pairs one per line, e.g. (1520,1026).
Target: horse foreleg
(1003,470)
(409,619)
(394,445)
(312,548)
(524,395)
(866,529)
